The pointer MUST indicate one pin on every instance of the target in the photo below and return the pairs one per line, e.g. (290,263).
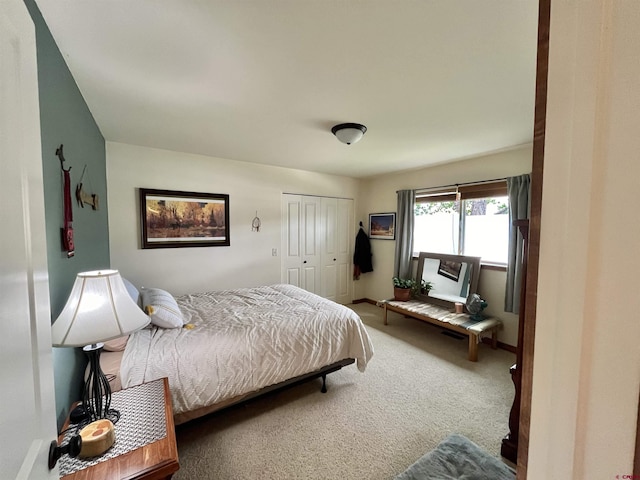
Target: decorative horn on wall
(83,197)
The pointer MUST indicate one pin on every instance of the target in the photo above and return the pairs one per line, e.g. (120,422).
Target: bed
(228,346)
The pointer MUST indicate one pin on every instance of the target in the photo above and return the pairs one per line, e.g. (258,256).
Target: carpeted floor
(417,389)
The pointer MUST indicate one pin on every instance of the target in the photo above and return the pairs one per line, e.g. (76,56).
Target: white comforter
(244,340)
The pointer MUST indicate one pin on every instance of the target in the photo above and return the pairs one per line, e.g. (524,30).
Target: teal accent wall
(66,119)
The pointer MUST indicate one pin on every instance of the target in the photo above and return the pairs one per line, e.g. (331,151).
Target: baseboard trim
(501,345)
(365,300)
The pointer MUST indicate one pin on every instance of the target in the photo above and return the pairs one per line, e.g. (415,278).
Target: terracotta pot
(401,294)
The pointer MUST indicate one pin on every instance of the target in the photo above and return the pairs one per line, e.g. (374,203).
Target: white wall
(586,368)
(379,195)
(248,261)
(251,187)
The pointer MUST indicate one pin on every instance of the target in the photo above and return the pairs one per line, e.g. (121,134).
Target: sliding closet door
(291,249)
(329,257)
(346,234)
(338,234)
(311,237)
(301,242)
(317,240)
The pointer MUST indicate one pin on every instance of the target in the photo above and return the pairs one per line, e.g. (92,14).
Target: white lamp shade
(99,308)
(349,132)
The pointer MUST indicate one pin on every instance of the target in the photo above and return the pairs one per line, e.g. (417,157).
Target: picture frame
(173,219)
(382,226)
(450,269)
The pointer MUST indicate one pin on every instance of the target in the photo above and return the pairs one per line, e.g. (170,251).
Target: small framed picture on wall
(382,226)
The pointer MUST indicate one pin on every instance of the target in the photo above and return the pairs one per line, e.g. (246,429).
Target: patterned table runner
(142,421)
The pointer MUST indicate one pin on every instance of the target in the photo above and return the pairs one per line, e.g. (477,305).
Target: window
(470,220)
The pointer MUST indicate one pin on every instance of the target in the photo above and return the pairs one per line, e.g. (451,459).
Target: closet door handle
(304,261)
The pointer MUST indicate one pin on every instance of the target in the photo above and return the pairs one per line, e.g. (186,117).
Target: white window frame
(459,194)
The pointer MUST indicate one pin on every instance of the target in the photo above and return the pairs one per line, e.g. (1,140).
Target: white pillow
(133,291)
(162,308)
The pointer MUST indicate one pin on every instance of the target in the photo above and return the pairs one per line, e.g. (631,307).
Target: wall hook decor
(61,158)
(255,224)
(67,219)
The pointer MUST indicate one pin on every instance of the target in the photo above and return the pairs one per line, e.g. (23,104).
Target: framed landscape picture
(172,219)
(382,226)
(450,269)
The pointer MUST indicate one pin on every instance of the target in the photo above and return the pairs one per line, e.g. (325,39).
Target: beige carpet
(417,389)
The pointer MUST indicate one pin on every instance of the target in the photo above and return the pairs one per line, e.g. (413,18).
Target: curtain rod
(458,184)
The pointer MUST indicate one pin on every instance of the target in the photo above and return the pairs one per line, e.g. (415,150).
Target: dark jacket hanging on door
(362,254)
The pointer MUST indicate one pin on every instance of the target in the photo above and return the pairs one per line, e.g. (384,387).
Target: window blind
(464,192)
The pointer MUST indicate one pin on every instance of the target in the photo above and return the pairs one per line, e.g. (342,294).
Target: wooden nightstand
(153,461)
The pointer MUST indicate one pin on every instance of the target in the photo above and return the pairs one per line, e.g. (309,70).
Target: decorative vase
(401,294)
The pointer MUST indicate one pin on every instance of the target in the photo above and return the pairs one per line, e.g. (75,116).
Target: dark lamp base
(96,398)
(78,415)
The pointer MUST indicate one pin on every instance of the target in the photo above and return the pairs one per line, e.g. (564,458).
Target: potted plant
(405,288)
(425,287)
(402,288)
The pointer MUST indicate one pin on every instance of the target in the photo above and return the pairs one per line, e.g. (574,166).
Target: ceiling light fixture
(349,132)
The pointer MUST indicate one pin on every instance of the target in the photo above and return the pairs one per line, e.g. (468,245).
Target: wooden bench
(457,322)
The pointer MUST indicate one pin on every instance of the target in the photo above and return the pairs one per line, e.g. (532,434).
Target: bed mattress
(243,340)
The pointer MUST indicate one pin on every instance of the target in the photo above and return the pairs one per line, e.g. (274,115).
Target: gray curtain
(404,234)
(519,191)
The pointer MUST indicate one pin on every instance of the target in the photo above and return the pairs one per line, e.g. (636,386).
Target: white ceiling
(265,80)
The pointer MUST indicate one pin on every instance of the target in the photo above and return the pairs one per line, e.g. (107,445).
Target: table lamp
(99,308)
